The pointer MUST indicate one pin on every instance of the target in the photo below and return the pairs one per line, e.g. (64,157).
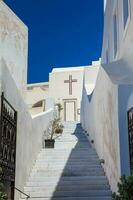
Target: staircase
(71,171)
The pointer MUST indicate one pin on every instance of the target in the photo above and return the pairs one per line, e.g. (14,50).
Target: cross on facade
(70,81)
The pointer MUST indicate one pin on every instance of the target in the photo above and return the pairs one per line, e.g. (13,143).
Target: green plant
(3,196)
(125,189)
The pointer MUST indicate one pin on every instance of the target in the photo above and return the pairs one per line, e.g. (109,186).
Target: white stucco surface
(37,92)
(99,117)
(30,130)
(59,91)
(14,45)
(13,82)
(106,102)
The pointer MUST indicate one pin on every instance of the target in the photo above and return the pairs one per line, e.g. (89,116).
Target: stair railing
(27,196)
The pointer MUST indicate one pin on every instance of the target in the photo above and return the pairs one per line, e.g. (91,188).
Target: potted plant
(49,142)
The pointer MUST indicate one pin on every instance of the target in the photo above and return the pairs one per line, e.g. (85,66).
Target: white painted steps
(70,171)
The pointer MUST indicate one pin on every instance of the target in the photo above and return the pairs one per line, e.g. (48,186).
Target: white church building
(65,87)
(96,147)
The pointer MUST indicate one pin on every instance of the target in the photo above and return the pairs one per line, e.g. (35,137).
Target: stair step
(70,171)
(65,165)
(67,183)
(67,187)
(72,153)
(68,161)
(64,150)
(68,155)
(68,167)
(78,193)
(66,173)
(73,179)
(72,198)
(65,161)
(40,183)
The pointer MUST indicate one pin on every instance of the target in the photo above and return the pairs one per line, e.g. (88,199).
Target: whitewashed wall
(36,93)
(29,131)
(124,34)
(14,45)
(13,82)
(99,117)
(59,90)
(104,112)
(120,68)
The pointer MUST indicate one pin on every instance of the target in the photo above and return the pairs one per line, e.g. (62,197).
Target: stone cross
(70,81)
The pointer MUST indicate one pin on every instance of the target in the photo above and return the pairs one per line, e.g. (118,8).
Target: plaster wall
(104,111)
(99,117)
(13,46)
(125,103)
(36,94)
(59,91)
(30,130)
(124,34)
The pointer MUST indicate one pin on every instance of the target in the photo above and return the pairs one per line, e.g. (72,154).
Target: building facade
(106,113)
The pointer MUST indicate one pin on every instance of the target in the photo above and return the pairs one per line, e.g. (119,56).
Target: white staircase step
(70,171)
(80,166)
(70,187)
(73,179)
(88,193)
(72,198)
(59,165)
(66,173)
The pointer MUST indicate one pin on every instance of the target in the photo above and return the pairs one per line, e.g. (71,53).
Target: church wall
(29,131)
(59,90)
(99,117)
(13,45)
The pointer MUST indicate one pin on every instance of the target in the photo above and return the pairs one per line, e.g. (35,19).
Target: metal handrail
(22,192)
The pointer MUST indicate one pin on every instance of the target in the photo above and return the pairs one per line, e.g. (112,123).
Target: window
(115,34)
(125,11)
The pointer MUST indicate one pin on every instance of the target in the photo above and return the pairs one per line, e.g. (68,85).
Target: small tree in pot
(53,128)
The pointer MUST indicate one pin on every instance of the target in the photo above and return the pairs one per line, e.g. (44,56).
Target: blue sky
(62,33)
